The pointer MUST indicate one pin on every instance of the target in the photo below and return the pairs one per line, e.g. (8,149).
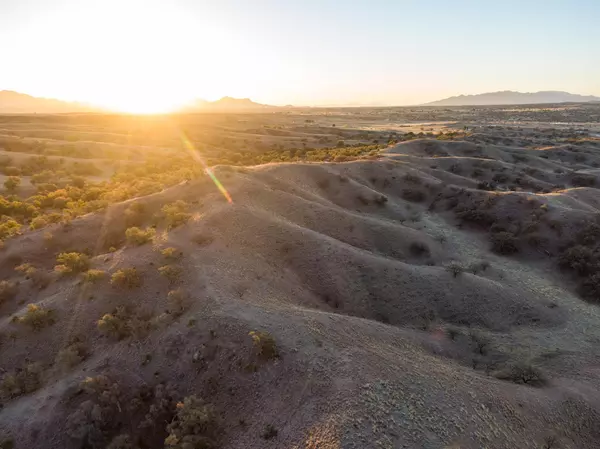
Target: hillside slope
(395,319)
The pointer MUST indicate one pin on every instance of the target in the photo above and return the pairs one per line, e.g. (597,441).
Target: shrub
(93,276)
(39,278)
(455,268)
(412,178)
(136,236)
(171,253)
(380,200)
(12,183)
(37,317)
(71,263)
(170,272)
(38,222)
(583,181)
(135,214)
(23,381)
(9,228)
(481,265)
(419,249)
(523,373)
(8,291)
(121,323)
(195,426)
(202,239)
(476,215)
(177,301)
(71,356)
(7,443)
(113,325)
(413,195)
(127,278)
(265,345)
(504,243)
(176,214)
(95,417)
(590,288)
(270,432)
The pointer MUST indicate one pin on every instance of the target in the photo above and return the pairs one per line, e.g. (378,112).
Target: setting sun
(139,57)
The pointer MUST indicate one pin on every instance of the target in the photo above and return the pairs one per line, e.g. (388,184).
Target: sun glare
(138,57)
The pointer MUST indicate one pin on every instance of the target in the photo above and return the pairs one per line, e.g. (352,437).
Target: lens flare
(196,155)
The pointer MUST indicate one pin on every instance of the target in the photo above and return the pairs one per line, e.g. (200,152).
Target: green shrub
(71,263)
(70,356)
(136,236)
(194,427)
(38,222)
(135,214)
(36,317)
(170,272)
(127,278)
(93,276)
(9,228)
(265,345)
(175,214)
(12,183)
(113,326)
(171,253)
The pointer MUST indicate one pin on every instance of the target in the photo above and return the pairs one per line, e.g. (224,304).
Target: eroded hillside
(441,294)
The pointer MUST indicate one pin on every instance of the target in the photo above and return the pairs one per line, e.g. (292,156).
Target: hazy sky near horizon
(145,55)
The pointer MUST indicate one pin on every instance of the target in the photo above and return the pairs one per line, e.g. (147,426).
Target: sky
(153,55)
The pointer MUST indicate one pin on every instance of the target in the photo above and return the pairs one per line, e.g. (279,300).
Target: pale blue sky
(149,54)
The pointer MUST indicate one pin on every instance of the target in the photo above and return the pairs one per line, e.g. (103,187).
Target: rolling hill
(17,103)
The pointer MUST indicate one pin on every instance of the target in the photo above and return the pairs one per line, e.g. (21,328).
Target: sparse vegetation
(136,236)
(265,345)
(170,272)
(175,214)
(93,276)
(25,380)
(8,290)
(195,426)
(72,263)
(126,278)
(504,243)
(522,372)
(37,317)
(455,268)
(171,253)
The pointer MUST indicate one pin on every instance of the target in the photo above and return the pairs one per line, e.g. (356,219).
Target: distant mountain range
(508,97)
(17,103)
(225,104)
